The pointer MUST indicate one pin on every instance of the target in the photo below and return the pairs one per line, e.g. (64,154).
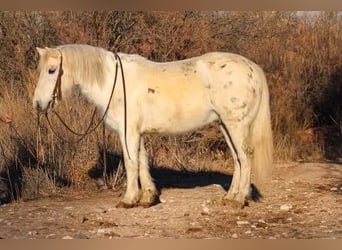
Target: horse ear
(40,51)
(52,52)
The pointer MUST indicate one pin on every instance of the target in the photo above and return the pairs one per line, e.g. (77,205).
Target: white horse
(171,97)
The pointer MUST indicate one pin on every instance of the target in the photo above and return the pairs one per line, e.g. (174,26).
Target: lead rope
(104,173)
(89,130)
(125,103)
(38,153)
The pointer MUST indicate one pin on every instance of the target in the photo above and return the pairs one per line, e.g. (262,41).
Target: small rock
(261,224)
(67,238)
(32,233)
(84,219)
(205,211)
(234,236)
(81,236)
(242,222)
(194,229)
(333,189)
(285,207)
(68,208)
(162,200)
(100,183)
(102,230)
(248,232)
(49,236)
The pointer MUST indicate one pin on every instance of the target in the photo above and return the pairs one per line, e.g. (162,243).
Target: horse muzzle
(38,106)
(41,108)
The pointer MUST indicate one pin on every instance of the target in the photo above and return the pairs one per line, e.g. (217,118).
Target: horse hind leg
(149,194)
(236,136)
(234,185)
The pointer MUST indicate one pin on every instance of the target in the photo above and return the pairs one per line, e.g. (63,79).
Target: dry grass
(300,55)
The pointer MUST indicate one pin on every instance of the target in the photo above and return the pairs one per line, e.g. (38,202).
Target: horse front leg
(149,193)
(131,163)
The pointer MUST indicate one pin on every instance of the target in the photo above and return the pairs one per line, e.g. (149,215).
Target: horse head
(49,89)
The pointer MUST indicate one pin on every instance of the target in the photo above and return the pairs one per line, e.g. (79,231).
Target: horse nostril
(37,105)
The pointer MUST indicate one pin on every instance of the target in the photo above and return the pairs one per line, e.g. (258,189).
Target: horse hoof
(149,203)
(234,203)
(148,198)
(122,204)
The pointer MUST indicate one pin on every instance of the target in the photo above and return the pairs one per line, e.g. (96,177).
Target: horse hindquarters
(246,125)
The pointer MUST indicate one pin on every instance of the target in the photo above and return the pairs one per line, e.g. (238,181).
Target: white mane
(85,63)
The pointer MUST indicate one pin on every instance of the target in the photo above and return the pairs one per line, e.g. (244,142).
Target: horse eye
(51,71)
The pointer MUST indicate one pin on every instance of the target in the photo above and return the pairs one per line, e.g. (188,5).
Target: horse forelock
(84,63)
(43,60)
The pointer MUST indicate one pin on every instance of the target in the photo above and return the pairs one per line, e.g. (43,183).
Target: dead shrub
(300,54)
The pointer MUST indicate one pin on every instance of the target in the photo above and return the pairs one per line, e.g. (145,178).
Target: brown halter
(57,92)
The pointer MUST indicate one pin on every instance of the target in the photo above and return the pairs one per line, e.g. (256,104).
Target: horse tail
(261,139)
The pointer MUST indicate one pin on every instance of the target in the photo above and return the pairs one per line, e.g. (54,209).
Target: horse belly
(178,117)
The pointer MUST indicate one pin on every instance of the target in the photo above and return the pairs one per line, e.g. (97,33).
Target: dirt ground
(304,200)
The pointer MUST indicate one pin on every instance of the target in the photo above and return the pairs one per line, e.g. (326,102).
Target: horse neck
(99,92)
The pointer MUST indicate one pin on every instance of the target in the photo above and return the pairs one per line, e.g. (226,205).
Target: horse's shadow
(165,177)
(168,177)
